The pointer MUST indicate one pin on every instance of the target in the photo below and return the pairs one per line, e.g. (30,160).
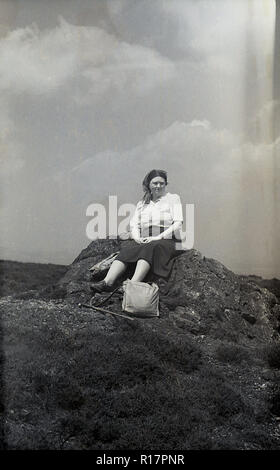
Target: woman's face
(157,187)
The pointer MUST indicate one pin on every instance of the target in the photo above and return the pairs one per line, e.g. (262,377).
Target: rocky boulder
(201,295)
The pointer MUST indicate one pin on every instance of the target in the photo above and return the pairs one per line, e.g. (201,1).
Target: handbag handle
(104,300)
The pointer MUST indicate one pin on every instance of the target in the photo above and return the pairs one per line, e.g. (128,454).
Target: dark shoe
(101,287)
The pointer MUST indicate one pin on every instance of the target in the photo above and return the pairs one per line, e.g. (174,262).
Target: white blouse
(161,213)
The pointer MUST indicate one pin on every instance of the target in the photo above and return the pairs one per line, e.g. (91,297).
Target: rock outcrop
(201,295)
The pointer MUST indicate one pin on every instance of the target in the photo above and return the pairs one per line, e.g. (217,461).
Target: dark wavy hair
(146,183)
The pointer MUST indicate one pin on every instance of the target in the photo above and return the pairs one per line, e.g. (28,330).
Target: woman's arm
(170,230)
(135,233)
(135,225)
(167,234)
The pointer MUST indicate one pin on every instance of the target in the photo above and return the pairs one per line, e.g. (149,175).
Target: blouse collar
(157,200)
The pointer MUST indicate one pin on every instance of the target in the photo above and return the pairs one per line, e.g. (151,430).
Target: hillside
(204,375)
(16,276)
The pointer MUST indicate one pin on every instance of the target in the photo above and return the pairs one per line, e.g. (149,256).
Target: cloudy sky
(96,93)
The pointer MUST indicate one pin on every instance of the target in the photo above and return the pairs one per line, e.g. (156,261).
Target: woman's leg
(141,270)
(116,269)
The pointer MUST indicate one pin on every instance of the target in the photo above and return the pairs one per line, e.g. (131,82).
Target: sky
(94,94)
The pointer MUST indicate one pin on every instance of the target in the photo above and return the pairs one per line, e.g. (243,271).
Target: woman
(155,227)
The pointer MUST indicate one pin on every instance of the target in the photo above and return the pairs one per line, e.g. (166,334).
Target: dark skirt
(159,254)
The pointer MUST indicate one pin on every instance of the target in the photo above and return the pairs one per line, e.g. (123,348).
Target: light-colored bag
(104,264)
(141,298)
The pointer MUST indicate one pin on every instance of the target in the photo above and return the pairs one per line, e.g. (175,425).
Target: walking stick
(103,310)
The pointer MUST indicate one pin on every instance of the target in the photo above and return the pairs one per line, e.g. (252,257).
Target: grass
(77,379)
(272,354)
(81,381)
(18,277)
(232,353)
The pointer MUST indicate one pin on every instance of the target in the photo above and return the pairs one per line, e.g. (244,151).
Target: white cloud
(196,123)
(81,63)
(221,34)
(229,181)
(36,61)
(198,158)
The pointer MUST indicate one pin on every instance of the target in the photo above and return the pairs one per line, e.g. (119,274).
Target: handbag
(141,297)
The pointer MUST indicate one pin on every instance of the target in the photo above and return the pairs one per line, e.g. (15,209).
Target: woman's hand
(151,239)
(140,240)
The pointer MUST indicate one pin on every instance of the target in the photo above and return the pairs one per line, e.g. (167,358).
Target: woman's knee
(144,261)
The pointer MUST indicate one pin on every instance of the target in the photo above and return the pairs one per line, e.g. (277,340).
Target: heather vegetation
(22,277)
(78,379)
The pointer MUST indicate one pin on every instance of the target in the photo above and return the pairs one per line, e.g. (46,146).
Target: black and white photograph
(140,233)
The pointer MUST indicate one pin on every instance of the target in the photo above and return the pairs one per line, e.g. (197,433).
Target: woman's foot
(101,286)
